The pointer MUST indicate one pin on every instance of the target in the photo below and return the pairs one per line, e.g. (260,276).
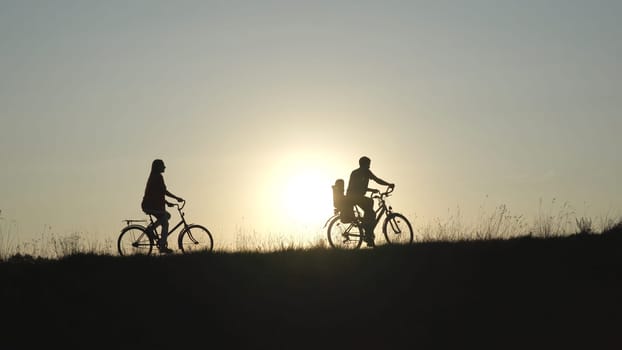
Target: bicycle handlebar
(179,207)
(383,194)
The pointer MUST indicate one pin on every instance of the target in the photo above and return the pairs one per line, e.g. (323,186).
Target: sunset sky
(256,107)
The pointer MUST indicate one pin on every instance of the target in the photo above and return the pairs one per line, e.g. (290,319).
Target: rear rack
(130,221)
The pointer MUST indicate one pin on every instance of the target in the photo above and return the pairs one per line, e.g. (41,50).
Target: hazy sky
(462,104)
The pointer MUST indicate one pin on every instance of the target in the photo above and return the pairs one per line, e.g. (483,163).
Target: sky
(256,107)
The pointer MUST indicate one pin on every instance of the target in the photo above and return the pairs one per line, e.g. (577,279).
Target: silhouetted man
(357,188)
(154,200)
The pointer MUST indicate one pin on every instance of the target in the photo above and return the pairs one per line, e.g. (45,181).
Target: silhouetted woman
(154,200)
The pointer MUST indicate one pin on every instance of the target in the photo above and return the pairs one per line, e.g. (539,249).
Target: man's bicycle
(396,228)
(137,239)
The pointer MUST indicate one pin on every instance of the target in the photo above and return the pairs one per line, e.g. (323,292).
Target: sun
(306,197)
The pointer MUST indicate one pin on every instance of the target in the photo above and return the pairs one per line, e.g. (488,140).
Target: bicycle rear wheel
(133,240)
(397,229)
(343,236)
(195,238)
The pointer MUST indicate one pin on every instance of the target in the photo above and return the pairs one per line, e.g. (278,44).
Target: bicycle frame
(378,213)
(181,222)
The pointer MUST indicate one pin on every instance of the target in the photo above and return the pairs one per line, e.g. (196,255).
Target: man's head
(157,166)
(364,162)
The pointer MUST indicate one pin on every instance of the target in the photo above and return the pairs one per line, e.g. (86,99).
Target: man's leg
(369,219)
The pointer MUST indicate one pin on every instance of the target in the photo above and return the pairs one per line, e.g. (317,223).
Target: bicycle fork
(394,226)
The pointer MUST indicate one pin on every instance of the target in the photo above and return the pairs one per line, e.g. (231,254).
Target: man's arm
(379,180)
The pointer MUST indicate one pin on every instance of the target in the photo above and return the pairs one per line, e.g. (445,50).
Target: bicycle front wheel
(397,229)
(134,240)
(195,238)
(343,236)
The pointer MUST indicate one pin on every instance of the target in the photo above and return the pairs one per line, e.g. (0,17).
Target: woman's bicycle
(396,228)
(137,239)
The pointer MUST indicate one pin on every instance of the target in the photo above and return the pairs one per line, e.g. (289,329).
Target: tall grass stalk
(547,224)
(7,238)
(500,224)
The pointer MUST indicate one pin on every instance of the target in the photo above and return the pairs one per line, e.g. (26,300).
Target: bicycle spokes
(349,236)
(343,235)
(142,241)
(133,240)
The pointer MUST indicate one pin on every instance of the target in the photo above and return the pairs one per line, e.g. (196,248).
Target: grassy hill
(522,293)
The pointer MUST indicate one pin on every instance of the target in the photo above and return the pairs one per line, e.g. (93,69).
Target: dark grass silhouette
(524,293)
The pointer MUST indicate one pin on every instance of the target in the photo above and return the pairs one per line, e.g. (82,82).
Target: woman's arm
(179,199)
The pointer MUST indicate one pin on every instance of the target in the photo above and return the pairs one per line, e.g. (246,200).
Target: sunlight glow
(303,195)
(306,198)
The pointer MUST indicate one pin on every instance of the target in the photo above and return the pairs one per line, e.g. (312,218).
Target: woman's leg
(162,217)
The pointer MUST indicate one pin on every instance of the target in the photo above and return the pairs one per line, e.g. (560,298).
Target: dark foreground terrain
(524,293)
